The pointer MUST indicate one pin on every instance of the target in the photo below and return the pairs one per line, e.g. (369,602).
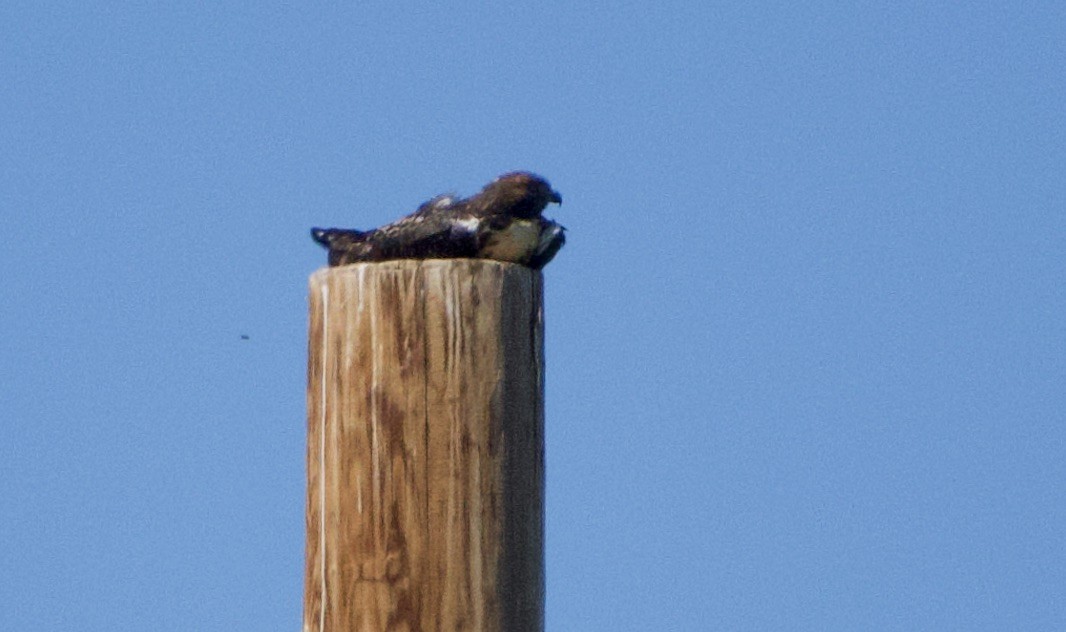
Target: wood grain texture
(425,452)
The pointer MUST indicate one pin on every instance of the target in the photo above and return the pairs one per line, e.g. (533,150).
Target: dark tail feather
(330,236)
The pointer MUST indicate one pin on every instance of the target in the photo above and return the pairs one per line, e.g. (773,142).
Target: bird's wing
(430,235)
(439,234)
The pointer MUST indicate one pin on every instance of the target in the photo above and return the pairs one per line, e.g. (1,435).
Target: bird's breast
(514,243)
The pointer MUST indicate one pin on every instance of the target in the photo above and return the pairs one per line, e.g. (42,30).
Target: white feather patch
(469,224)
(443,201)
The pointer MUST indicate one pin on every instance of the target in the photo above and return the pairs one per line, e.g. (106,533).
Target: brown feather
(503,222)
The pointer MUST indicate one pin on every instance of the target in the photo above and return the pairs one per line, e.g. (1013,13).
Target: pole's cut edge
(425,452)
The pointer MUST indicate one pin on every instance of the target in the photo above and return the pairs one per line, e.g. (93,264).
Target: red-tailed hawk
(502,222)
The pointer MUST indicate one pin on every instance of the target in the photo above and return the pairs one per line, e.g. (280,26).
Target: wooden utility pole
(425,448)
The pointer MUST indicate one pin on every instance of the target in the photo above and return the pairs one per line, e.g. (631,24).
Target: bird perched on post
(503,222)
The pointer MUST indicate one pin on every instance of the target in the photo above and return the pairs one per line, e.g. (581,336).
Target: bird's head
(520,194)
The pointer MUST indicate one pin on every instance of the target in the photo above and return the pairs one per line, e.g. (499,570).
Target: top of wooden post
(457,264)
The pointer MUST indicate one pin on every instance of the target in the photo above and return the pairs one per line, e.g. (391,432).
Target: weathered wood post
(425,448)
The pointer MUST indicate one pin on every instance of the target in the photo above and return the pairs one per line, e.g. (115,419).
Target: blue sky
(805,343)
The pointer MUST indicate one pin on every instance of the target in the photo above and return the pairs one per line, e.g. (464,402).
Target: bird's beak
(558,199)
